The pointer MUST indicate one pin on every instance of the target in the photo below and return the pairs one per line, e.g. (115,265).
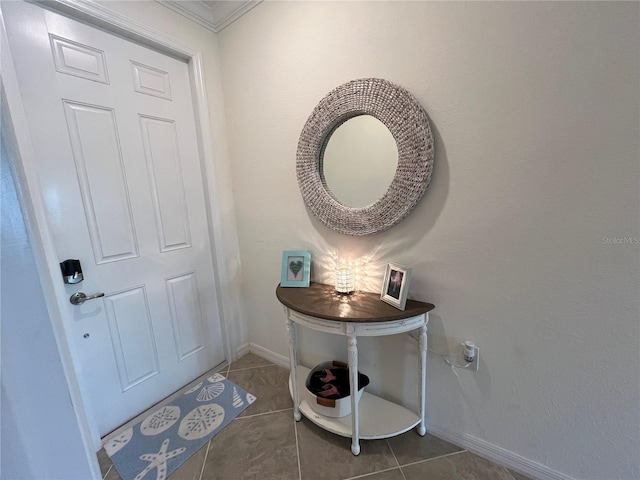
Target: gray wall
(535,111)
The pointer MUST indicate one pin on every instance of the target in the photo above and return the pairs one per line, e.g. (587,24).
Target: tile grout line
(396,459)
(373,473)
(295,430)
(392,452)
(260,414)
(204,462)
(434,458)
(250,368)
(508,472)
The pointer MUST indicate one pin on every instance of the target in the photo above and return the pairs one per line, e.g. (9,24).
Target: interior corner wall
(527,238)
(159,18)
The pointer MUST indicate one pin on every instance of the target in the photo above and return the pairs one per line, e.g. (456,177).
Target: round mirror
(360,161)
(403,116)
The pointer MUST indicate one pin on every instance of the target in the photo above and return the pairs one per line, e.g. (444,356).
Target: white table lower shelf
(379,418)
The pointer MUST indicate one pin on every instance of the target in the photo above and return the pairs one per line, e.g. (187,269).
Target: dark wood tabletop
(322,301)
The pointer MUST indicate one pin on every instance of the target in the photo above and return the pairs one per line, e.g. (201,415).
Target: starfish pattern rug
(157,445)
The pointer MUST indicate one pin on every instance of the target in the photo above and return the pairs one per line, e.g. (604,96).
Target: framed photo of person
(296,268)
(396,285)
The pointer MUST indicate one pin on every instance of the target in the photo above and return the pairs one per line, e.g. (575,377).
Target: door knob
(79,298)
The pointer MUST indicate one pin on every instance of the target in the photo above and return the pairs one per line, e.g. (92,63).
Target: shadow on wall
(442,344)
(370,254)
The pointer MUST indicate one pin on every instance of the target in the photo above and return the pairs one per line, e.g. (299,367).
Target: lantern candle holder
(344,280)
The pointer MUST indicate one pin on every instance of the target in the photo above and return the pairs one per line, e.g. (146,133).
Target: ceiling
(213,15)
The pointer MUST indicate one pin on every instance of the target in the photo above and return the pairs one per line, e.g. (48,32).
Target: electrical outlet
(471,354)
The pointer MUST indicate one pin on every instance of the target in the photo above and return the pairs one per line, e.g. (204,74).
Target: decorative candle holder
(344,279)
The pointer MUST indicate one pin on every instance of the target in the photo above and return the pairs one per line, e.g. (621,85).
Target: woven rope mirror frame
(407,122)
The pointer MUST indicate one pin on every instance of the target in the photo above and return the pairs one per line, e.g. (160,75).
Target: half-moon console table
(320,308)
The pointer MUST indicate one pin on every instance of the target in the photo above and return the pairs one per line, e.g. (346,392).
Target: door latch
(71,271)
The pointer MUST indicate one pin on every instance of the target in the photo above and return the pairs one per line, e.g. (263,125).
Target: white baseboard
(497,454)
(266,354)
(241,351)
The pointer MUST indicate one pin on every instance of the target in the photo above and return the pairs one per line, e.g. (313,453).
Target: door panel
(167,186)
(132,336)
(151,81)
(114,136)
(80,60)
(97,152)
(186,318)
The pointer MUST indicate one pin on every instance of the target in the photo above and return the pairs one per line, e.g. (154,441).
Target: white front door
(114,137)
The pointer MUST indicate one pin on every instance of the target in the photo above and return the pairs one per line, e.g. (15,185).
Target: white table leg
(293,359)
(353,384)
(422,428)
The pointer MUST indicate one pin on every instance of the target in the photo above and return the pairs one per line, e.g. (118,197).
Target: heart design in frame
(295,267)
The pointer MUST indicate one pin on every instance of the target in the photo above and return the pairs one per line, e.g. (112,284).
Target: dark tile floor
(265,443)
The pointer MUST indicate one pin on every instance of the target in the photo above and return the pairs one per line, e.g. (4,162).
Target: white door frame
(33,202)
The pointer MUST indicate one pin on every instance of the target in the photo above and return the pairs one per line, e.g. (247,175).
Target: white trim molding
(242,350)
(214,16)
(100,16)
(497,454)
(262,352)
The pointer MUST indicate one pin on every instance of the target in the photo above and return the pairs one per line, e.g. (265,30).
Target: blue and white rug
(165,439)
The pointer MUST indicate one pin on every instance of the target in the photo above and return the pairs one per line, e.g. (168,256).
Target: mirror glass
(360,161)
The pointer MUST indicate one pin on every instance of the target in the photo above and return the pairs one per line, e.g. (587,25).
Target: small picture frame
(396,285)
(296,268)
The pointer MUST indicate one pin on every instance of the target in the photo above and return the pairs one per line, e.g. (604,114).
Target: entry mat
(156,446)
